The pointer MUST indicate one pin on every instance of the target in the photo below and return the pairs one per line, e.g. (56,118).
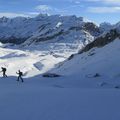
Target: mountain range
(47,42)
(70,67)
(45,28)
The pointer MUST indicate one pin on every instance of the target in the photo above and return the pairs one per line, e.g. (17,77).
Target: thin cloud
(11,15)
(33,13)
(43,8)
(49,9)
(104,9)
(75,1)
(106,1)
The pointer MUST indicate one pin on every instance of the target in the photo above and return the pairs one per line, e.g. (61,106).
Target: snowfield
(31,63)
(31,101)
(38,58)
(98,67)
(79,94)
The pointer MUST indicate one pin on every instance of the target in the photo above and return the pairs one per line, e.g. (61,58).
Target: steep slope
(102,40)
(96,65)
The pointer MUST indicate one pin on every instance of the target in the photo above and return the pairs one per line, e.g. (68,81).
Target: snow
(59,24)
(78,94)
(43,99)
(21,27)
(69,97)
(26,61)
(83,67)
(36,59)
(43,28)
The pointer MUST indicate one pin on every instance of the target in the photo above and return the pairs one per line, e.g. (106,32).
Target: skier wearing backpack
(20,74)
(4,71)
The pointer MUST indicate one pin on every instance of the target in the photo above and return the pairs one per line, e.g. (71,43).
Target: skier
(20,74)
(4,71)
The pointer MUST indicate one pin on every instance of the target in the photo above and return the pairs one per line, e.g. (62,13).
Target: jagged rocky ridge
(107,37)
(102,40)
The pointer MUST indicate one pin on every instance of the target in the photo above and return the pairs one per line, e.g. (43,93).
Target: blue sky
(95,10)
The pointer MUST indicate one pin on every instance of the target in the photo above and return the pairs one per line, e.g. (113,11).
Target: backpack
(21,73)
(3,69)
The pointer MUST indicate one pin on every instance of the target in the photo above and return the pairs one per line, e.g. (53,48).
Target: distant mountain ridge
(43,28)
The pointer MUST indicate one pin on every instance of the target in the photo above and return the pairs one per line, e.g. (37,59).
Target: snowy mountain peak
(44,28)
(3,19)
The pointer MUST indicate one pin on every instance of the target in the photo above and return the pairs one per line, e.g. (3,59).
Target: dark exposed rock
(76,28)
(3,19)
(102,41)
(45,38)
(91,54)
(71,57)
(13,40)
(89,27)
(93,76)
(117,87)
(51,75)
(97,75)
(92,28)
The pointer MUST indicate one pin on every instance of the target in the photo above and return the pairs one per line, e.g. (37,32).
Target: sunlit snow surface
(35,59)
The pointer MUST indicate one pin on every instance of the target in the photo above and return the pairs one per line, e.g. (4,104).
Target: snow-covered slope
(35,59)
(77,94)
(96,65)
(48,41)
(44,41)
(73,95)
(30,62)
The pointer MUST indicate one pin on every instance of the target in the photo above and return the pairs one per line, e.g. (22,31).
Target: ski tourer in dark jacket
(20,74)
(4,71)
